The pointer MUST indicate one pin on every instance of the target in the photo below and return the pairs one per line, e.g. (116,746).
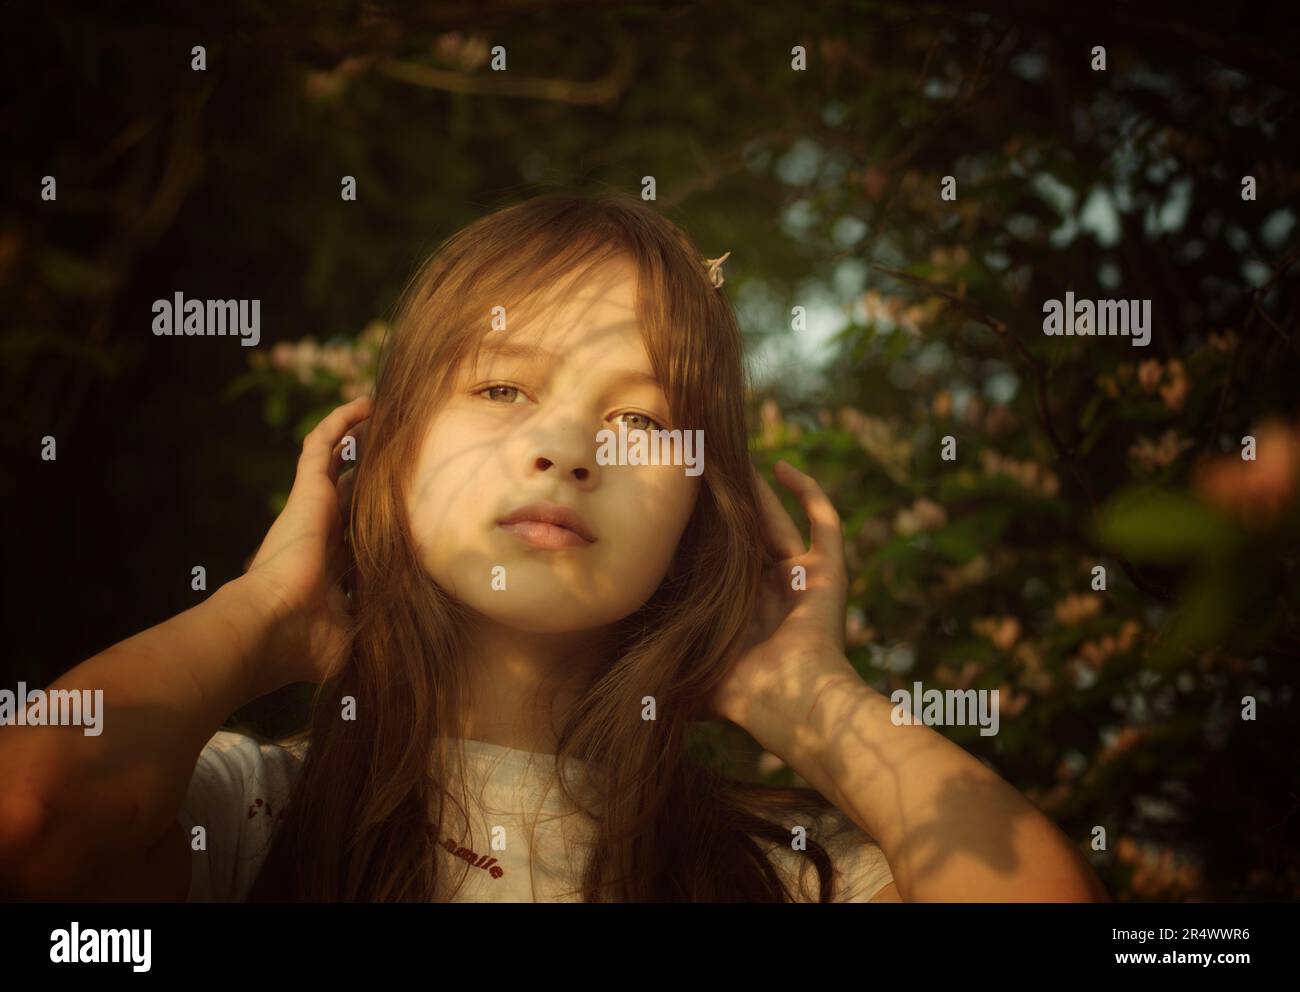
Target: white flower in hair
(715,269)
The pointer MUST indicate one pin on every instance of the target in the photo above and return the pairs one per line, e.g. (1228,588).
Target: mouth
(548,526)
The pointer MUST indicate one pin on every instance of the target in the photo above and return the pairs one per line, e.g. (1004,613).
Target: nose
(568,451)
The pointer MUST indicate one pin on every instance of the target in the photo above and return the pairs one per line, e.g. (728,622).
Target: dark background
(1121,708)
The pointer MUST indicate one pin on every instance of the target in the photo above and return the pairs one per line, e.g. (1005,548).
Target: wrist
(252,617)
(797,718)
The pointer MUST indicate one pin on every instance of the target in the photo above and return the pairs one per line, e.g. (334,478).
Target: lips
(543,520)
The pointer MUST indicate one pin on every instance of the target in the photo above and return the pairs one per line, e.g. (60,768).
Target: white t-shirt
(240,788)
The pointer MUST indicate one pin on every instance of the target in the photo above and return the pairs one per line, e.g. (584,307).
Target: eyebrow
(534,354)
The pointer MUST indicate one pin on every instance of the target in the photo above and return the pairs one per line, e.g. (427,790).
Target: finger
(783,537)
(338,559)
(358,435)
(824,519)
(318,446)
(348,445)
(346,486)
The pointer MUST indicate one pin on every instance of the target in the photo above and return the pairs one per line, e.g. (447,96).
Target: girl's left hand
(796,632)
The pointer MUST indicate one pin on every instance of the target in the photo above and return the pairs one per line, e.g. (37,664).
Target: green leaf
(307,423)
(959,543)
(72,275)
(962,541)
(277,408)
(242,384)
(1203,618)
(1161,526)
(1091,410)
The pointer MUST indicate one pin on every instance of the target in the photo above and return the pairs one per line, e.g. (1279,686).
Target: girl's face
(521,429)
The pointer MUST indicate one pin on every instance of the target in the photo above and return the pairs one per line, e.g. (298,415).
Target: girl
(512,636)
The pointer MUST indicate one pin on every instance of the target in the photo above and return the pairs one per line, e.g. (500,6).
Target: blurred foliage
(1122,706)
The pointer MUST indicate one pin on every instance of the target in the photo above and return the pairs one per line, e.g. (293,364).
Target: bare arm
(74,807)
(86,816)
(951,828)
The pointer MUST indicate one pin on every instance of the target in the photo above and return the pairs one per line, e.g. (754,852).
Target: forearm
(950,827)
(70,800)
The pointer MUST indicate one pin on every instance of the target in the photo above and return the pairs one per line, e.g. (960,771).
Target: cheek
(456,486)
(448,495)
(650,536)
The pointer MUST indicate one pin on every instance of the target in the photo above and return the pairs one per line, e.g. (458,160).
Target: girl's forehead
(595,312)
(587,348)
(605,292)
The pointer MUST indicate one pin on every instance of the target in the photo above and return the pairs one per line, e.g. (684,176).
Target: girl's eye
(501,393)
(489,389)
(651,423)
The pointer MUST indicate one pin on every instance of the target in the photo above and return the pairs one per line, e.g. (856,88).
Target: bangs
(673,334)
(545,282)
(507,272)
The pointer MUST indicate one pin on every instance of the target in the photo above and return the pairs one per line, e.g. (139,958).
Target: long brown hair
(373,794)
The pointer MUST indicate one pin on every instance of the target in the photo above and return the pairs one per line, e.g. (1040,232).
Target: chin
(548,595)
(539,619)
(544,612)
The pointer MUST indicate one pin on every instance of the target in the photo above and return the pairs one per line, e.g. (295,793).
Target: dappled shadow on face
(473,469)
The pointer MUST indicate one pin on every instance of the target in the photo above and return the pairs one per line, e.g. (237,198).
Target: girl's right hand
(299,568)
